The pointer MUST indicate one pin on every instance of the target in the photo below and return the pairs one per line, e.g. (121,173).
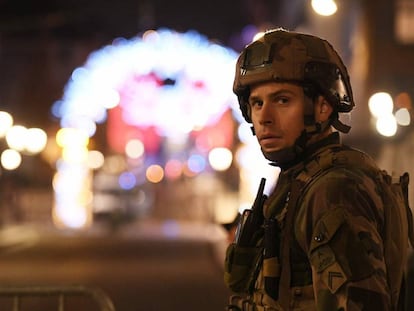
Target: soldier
(331,236)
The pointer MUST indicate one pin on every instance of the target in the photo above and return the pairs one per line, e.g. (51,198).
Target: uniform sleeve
(339,225)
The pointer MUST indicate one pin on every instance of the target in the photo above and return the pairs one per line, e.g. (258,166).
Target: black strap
(284,285)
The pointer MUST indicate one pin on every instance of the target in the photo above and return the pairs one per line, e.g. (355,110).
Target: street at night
(126,146)
(144,266)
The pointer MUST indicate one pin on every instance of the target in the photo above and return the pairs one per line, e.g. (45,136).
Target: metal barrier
(17,293)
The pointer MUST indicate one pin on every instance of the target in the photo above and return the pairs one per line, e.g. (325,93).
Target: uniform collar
(311,151)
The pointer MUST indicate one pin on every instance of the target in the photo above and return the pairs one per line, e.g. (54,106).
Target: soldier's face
(277,113)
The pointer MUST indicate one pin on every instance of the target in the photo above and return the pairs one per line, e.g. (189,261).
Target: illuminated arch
(165,84)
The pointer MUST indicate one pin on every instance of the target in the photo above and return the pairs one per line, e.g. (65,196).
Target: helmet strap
(311,126)
(340,126)
(287,157)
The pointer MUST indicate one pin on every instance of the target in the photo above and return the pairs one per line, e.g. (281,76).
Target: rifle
(251,222)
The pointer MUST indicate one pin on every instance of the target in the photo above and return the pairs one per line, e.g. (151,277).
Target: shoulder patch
(326,227)
(334,277)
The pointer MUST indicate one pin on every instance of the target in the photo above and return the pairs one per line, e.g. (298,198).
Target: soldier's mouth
(269,141)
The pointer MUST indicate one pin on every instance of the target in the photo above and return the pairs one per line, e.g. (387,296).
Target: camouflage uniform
(331,237)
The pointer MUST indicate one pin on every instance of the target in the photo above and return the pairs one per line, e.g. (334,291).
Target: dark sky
(42,42)
(217,19)
(115,18)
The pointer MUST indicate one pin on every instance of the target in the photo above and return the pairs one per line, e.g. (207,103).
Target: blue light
(56,109)
(196,163)
(127,180)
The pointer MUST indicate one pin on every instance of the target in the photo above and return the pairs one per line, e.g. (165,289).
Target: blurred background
(123,156)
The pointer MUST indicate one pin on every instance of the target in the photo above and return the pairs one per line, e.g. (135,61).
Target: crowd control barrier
(61,295)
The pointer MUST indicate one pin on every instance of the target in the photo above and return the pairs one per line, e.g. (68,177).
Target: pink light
(173,169)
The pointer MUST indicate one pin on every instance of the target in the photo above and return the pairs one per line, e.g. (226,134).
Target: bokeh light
(6,122)
(387,125)
(380,104)
(95,159)
(324,7)
(196,163)
(75,154)
(71,216)
(403,117)
(73,196)
(16,137)
(159,93)
(71,137)
(127,181)
(220,159)
(10,159)
(152,77)
(134,148)
(155,173)
(173,169)
(36,140)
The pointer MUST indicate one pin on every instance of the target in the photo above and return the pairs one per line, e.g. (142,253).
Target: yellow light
(75,154)
(10,159)
(71,137)
(16,137)
(6,122)
(220,158)
(35,140)
(72,185)
(95,159)
(71,216)
(134,148)
(155,173)
(387,125)
(324,7)
(380,104)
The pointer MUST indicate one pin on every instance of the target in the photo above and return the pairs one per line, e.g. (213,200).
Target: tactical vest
(280,278)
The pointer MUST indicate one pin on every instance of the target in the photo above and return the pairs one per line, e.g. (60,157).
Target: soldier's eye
(255,103)
(283,100)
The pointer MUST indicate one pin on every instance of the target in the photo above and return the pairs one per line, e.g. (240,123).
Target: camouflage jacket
(330,248)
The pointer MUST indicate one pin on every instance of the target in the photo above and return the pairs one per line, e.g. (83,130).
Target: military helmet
(285,56)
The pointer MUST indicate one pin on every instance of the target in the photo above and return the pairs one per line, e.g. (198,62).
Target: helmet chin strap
(340,126)
(286,157)
(289,156)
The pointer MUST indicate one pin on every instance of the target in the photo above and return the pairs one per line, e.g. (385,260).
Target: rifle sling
(284,285)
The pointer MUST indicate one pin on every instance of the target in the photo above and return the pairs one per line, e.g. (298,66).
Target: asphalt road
(145,266)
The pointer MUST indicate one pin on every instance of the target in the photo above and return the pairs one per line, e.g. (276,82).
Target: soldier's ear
(323,109)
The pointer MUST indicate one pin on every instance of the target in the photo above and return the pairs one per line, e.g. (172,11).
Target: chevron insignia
(332,275)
